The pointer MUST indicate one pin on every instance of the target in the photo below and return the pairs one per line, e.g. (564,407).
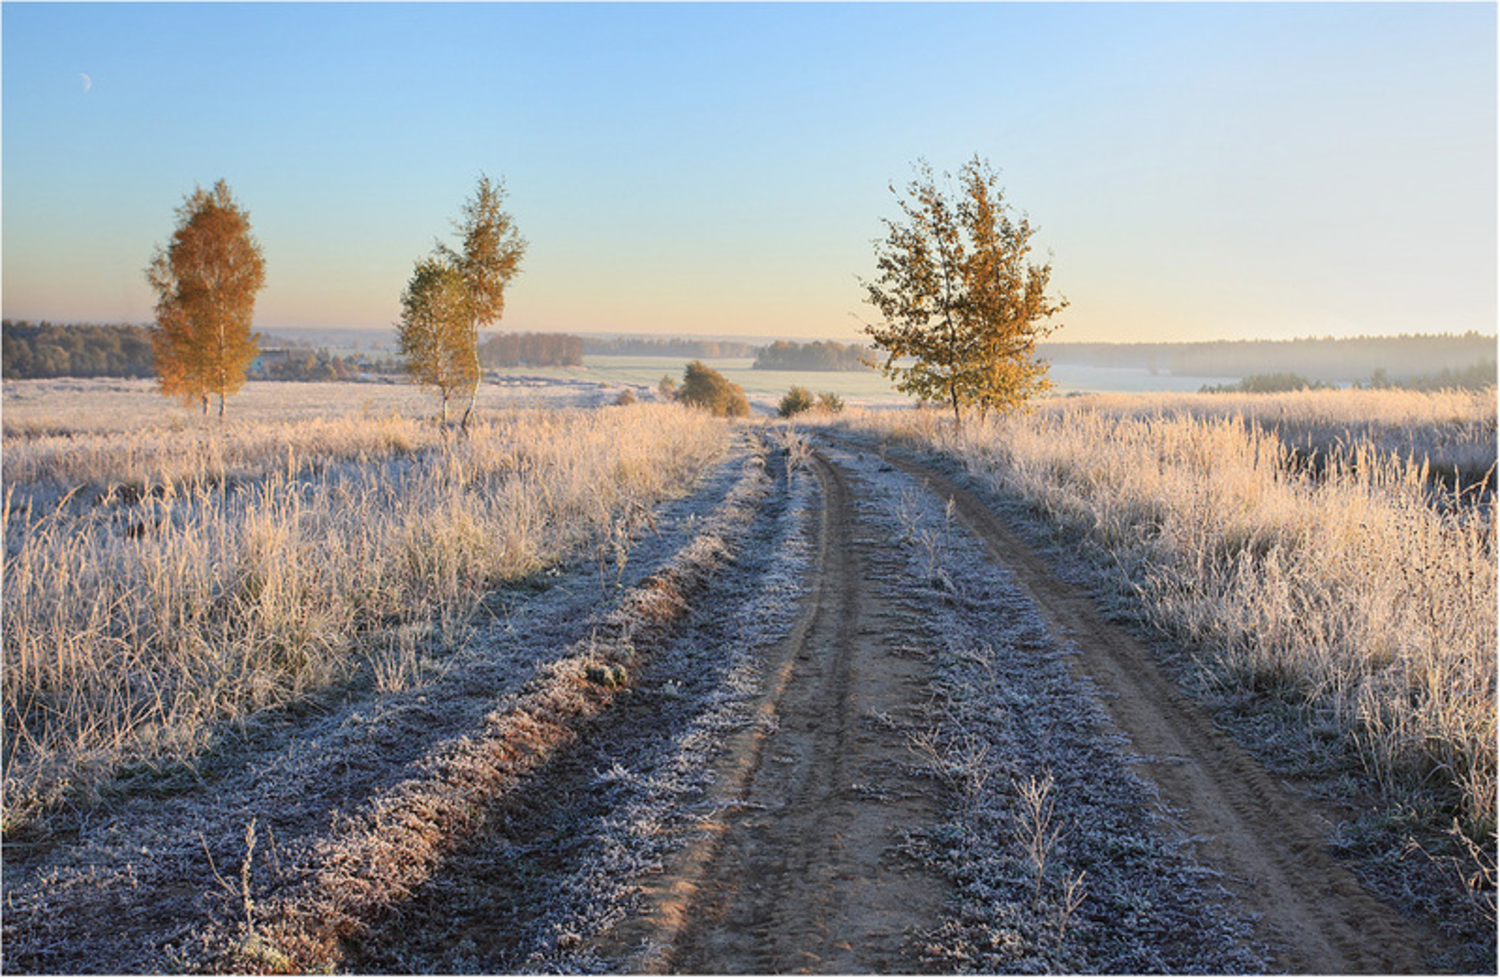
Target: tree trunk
(221,407)
(474,390)
(204,396)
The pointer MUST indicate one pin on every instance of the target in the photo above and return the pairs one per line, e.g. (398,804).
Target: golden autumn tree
(206,279)
(962,303)
(436,330)
(488,258)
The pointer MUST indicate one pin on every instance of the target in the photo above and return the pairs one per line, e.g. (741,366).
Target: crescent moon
(88,82)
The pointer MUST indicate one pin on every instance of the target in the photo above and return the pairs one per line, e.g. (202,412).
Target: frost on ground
(1060,855)
(351,834)
(185,863)
(553,871)
(1056,857)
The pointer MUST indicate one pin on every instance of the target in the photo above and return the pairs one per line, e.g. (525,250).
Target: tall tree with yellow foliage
(490,256)
(962,303)
(206,279)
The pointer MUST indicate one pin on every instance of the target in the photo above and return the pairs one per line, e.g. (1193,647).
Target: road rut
(801,873)
(1315,914)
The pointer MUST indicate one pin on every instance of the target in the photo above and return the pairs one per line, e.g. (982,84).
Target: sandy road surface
(803,879)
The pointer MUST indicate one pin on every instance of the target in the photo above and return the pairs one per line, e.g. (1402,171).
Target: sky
(1197,171)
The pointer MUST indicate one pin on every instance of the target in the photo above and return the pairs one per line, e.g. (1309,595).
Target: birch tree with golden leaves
(489,257)
(206,279)
(436,330)
(962,303)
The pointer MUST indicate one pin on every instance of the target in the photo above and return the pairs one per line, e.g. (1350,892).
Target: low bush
(704,387)
(797,400)
(800,399)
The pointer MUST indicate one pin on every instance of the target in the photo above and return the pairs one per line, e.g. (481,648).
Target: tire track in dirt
(549,880)
(1317,916)
(798,873)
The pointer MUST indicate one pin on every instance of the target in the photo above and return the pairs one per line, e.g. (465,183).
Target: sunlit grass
(158,583)
(1296,542)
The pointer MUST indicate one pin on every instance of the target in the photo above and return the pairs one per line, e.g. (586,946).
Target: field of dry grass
(325,686)
(1301,544)
(164,577)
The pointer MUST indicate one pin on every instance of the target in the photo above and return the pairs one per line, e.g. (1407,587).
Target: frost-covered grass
(158,584)
(705,685)
(1452,431)
(315,781)
(1057,859)
(1354,580)
(398,839)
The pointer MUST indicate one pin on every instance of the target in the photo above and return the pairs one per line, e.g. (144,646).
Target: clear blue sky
(1198,171)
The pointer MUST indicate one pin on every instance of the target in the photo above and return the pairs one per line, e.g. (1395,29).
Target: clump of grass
(133,629)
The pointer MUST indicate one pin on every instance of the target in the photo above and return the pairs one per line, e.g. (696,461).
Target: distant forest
(531,350)
(1328,360)
(642,346)
(821,355)
(301,364)
(45,350)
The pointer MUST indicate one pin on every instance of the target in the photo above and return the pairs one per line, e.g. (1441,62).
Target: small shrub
(797,400)
(626,398)
(830,402)
(706,388)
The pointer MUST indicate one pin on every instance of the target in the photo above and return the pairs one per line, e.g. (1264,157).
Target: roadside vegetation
(1300,545)
(705,388)
(158,585)
(800,399)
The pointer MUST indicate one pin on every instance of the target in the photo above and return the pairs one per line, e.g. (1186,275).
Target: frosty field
(1129,684)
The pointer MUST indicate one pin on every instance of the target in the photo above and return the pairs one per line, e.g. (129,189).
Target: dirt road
(803,878)
(874,733)
(803,873)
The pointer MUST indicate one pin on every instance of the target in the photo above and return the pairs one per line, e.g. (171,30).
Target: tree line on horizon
(654,346)
(531,350)
(46,350)
(1327,359)
(817,355)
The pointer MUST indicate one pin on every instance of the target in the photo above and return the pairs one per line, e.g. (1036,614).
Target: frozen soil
(835,717)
